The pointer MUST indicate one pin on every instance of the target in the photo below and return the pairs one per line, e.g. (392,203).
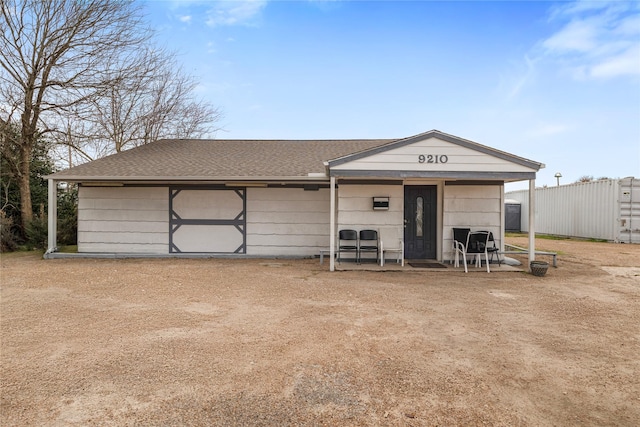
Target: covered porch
(415,225)
(415,191)
(409,268)
(419,266)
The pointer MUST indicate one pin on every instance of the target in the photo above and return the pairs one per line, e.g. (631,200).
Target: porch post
(332,225)
(503,222)
(52,216)
(532,221)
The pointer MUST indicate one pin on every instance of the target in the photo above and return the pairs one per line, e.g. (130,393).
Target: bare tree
(55,55)
(156,102)
(173,111)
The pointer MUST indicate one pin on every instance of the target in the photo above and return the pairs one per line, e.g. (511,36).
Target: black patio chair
(459,244)
(477,242)
(348,242)
(369,243)
(492,249)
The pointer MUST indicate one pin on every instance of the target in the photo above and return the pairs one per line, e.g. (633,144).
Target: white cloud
(597,40)
(185,18)
(235,12)
(577,7)
(523,79)
(629,26)
(626,63)
(576,36)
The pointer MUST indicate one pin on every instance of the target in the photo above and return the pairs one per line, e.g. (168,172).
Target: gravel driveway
(166,342)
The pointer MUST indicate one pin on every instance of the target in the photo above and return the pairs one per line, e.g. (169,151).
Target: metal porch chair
(369,243)
(348,242)
(477,242)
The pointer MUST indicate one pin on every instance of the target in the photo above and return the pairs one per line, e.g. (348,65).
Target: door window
(419,216)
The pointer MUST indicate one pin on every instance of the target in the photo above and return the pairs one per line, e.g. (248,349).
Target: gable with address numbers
(433,154)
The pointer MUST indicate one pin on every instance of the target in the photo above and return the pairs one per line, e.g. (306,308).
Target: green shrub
(8,238)
(68,216)
(36,231)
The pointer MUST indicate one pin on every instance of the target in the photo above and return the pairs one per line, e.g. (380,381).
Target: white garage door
(207,220)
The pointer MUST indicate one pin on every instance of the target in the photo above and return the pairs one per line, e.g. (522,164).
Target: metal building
(607,209)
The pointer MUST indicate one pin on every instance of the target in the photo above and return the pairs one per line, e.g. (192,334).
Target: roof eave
(439,175)
(78,178)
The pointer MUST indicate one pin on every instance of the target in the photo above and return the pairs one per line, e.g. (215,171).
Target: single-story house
(266,198)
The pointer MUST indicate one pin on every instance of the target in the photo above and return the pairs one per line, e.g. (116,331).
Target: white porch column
(332,225)
(52,216)
(532,221)
(503,210)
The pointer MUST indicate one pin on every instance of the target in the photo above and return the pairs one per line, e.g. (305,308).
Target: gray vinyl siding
(287,221)
(123,220)
(355,206)
(471,206)
(457,158)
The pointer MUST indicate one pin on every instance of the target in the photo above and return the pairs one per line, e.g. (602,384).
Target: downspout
(52,217)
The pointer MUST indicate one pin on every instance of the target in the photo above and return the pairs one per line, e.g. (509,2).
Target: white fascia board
(75,178)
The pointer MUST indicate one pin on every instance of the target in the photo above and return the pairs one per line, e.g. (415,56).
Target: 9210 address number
(430,158)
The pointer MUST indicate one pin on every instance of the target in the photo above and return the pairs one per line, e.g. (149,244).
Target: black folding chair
(369,243)
(348,242)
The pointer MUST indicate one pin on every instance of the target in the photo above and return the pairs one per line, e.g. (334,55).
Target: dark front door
(420,203)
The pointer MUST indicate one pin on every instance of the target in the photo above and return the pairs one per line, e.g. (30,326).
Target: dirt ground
(166,342)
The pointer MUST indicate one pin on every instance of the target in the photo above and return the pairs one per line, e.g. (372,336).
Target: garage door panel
(208,239)
(207,220)
(211,204)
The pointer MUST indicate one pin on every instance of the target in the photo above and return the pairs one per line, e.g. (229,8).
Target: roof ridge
(275,140)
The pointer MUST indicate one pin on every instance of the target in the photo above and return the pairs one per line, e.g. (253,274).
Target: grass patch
(512,234)
(551,237)
(23,252)
(27,251)
(554,237)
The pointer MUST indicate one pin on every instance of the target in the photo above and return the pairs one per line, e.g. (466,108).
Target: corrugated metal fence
(606,209)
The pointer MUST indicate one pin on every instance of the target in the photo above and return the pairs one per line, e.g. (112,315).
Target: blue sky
(555,82)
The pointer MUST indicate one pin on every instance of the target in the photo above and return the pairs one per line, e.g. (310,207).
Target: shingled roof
(202,159)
